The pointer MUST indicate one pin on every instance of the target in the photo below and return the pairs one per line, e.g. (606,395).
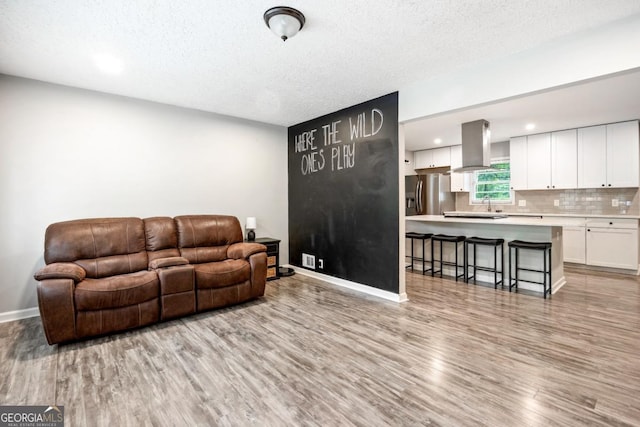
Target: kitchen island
(536,229)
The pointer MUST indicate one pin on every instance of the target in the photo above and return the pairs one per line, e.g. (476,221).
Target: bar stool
(495,244)
(446,238)
(423,237)
(545,248)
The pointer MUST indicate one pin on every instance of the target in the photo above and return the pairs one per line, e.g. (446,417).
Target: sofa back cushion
(102,246)
(205,238)
(162,237)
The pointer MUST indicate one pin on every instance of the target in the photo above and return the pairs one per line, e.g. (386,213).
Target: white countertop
(523,220)
(571,215)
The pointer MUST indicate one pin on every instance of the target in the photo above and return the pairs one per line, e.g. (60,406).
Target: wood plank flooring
(310,354)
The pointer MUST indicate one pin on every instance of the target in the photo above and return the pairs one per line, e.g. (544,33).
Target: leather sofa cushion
(205,238)
(117,291)
(161,237)
(114,265)
(102,246)
(222,273)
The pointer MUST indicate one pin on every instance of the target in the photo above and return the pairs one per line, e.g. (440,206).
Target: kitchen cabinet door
(623,156)
(518,162)
(574,244)
(539,161)
(460,181)
(441,157)
(592,154)
(612,247)
(423,159)
(434,158)
(564,159)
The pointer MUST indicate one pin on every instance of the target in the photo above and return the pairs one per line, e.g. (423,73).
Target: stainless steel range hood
(476,150)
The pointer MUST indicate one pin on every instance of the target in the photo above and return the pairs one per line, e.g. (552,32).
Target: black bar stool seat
(422,237)
(483,241)
(545,247)
(452,239)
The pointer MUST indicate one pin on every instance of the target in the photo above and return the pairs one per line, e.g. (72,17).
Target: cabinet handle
(588,229)
(547,186)
(609,185)
(603,185)
(553,186)
(610,223)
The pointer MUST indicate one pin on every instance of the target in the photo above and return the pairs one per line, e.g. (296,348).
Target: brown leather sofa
(112,274)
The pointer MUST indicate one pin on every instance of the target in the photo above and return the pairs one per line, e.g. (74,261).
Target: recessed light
(107,63)
(437,140)
(530,126)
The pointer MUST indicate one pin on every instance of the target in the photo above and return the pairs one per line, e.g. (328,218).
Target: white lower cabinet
(574,244)
(612,243)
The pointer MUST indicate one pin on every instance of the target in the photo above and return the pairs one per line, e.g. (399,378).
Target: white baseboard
(365,289)
(10,316)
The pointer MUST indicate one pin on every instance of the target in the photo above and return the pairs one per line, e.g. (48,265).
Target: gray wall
(68,153)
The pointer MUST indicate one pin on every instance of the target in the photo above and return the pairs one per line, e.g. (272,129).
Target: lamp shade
(284,22)
(251,223)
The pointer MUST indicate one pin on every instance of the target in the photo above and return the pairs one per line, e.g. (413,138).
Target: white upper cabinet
(539,161)
(592,155)
(518,162)
(544,161)
(609,155)
(460,181)
(435,158)
(623,154)
(564,159)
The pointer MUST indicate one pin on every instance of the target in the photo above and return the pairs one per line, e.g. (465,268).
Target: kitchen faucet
(487,198)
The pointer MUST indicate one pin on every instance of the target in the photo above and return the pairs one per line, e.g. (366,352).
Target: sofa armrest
(61,270)
(258,264)
(57,309)
(167,262)
(244,250)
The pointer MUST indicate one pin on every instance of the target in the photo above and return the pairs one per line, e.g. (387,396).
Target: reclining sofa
(113,274)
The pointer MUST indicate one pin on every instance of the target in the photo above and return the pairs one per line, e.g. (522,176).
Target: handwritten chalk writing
(359,128)
(331,133)
(312,162)
(304,141)
(343,156)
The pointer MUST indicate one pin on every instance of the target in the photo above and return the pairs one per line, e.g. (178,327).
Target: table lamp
(251,225)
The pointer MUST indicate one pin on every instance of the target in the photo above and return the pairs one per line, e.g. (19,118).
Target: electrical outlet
(522,203)
(309,261)
(320,263)
(614,203)
(556,203)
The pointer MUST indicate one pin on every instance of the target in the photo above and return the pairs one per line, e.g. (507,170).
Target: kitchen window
(493,184)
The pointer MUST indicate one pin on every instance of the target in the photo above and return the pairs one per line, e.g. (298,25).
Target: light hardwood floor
(312,354)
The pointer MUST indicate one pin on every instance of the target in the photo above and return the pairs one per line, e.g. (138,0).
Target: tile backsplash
(592,201)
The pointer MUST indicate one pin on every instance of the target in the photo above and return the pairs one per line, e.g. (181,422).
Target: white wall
(609,49)
(68,153)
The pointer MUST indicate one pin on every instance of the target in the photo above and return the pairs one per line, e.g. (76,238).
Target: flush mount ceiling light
(285,22)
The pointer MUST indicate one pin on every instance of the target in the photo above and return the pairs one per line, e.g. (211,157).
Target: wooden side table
(273,256)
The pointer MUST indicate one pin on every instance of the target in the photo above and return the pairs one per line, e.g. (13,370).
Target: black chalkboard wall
(343,193)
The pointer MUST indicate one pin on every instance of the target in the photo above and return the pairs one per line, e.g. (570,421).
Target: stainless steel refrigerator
(428,194)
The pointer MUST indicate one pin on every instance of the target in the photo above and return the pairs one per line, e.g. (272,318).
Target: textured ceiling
(220,56)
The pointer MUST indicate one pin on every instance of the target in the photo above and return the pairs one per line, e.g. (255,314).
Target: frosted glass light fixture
(251,226)
(284,22)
